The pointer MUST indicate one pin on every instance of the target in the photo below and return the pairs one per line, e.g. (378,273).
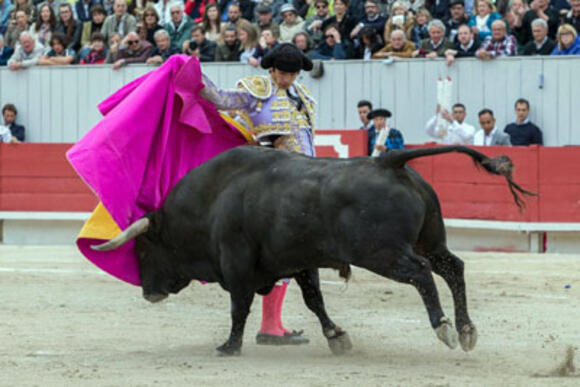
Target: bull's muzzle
(153,298)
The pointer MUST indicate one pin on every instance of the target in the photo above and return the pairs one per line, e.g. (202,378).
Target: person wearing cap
(264,21)
(381,137)
(457,18)
(313,25)
(281,114)
(291,23)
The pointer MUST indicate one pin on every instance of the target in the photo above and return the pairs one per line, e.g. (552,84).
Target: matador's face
(283,79)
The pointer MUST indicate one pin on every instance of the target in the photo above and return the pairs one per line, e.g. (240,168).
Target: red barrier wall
(37,177)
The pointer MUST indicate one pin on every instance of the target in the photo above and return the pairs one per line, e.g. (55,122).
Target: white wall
(58,104)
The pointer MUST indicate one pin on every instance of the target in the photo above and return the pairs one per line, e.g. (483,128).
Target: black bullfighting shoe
(292,338)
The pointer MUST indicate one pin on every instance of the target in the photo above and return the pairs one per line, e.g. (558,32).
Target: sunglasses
(329,36)
(131,42)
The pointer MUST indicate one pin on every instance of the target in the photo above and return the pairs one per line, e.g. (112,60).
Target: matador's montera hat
(287,57)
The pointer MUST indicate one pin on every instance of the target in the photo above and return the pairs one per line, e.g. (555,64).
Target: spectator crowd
(121,32)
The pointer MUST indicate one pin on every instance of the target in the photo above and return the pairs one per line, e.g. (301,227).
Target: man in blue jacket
(523,132)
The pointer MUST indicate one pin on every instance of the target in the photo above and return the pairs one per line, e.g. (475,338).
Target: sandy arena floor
(64,323)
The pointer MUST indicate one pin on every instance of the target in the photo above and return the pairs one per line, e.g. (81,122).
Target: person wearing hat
(381,137)
(265,21)
(313,25)
(291,23)
(457,18)
(281,113)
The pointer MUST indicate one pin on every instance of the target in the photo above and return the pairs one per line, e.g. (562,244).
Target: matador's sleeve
(235,99)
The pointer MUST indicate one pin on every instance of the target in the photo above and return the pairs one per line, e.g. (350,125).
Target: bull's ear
(155,222)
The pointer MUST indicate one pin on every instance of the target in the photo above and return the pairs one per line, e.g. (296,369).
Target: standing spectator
(199,46)
(5,10)
(15,29)
(303,42)
(98,16)
(291,24)
(211,23)
(332,47)
(381,137)
(5,52)
(163,48)
(572,16)
(542,44)
(466,45)
(398,47)
(364,107)
(313,25)
(489,134)
(568,41)
(436,45)
(132,50)
(83,9)
(26,54)
(371,19)
(96,53)
(370,43)
(195,9)
(9,114)
(58,54)
(458,18)
(229,50)
(538,9)
(151,23)
(163,8)
(179,27)
(248,41)
(420,30)
(269,42)
(69,27)
(498,44)
(119,22)
(344,20)
(265,20)
(483,19)
(399,19)
(523,132)
(456,132)
(45,25)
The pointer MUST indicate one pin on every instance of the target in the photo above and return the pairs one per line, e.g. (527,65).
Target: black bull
(252,216)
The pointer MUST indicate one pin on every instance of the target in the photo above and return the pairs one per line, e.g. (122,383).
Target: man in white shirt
(489,133)
(456,132)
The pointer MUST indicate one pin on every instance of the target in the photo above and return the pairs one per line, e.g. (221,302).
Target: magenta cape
(154,130)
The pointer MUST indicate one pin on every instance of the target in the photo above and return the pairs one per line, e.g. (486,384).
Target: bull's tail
(501,165)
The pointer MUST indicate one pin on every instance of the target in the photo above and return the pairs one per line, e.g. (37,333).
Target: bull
(252,216)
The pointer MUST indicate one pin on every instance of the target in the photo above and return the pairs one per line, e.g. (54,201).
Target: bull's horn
(139,227)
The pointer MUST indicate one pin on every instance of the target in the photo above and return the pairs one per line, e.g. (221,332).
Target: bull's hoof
(339,342)
(228,350)
(446,333)
(468,337)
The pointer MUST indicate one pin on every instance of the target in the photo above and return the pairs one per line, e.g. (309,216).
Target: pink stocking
(271,322)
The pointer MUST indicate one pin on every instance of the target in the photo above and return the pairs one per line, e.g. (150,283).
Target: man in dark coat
(541,44)
(523,132)
(9,113)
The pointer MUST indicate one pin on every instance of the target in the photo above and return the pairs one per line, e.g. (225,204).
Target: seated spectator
(15,29)
(5,10)
(264,13)
(483,19)
(82,10)
(398,47)
(523,132)
(44,26)
(515,16)
(420,30)
(313,26)
(345,23)
(151,24)
(248,37)
(69,27)
(96,53)
(457,19)
(163,8)
(538,9)
(332,47)
(399,19)
(372,19)
(542,44)
(114,45)
(489,134)
(267,43)
(303,42)
(437,43)
(26,54)
(179,26)
(364,107)
(230,49)
(291,24)
(119,22)
(466,45)
(26,6)
(5,52)
(57,54)
(199,46)
(98,16)
(381,137)
(498,44)
(163,48)
(572,16)
(132,50)
(9,114)
(370,43)
(211,23)
(568,42)
(234,14)
(455,131)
